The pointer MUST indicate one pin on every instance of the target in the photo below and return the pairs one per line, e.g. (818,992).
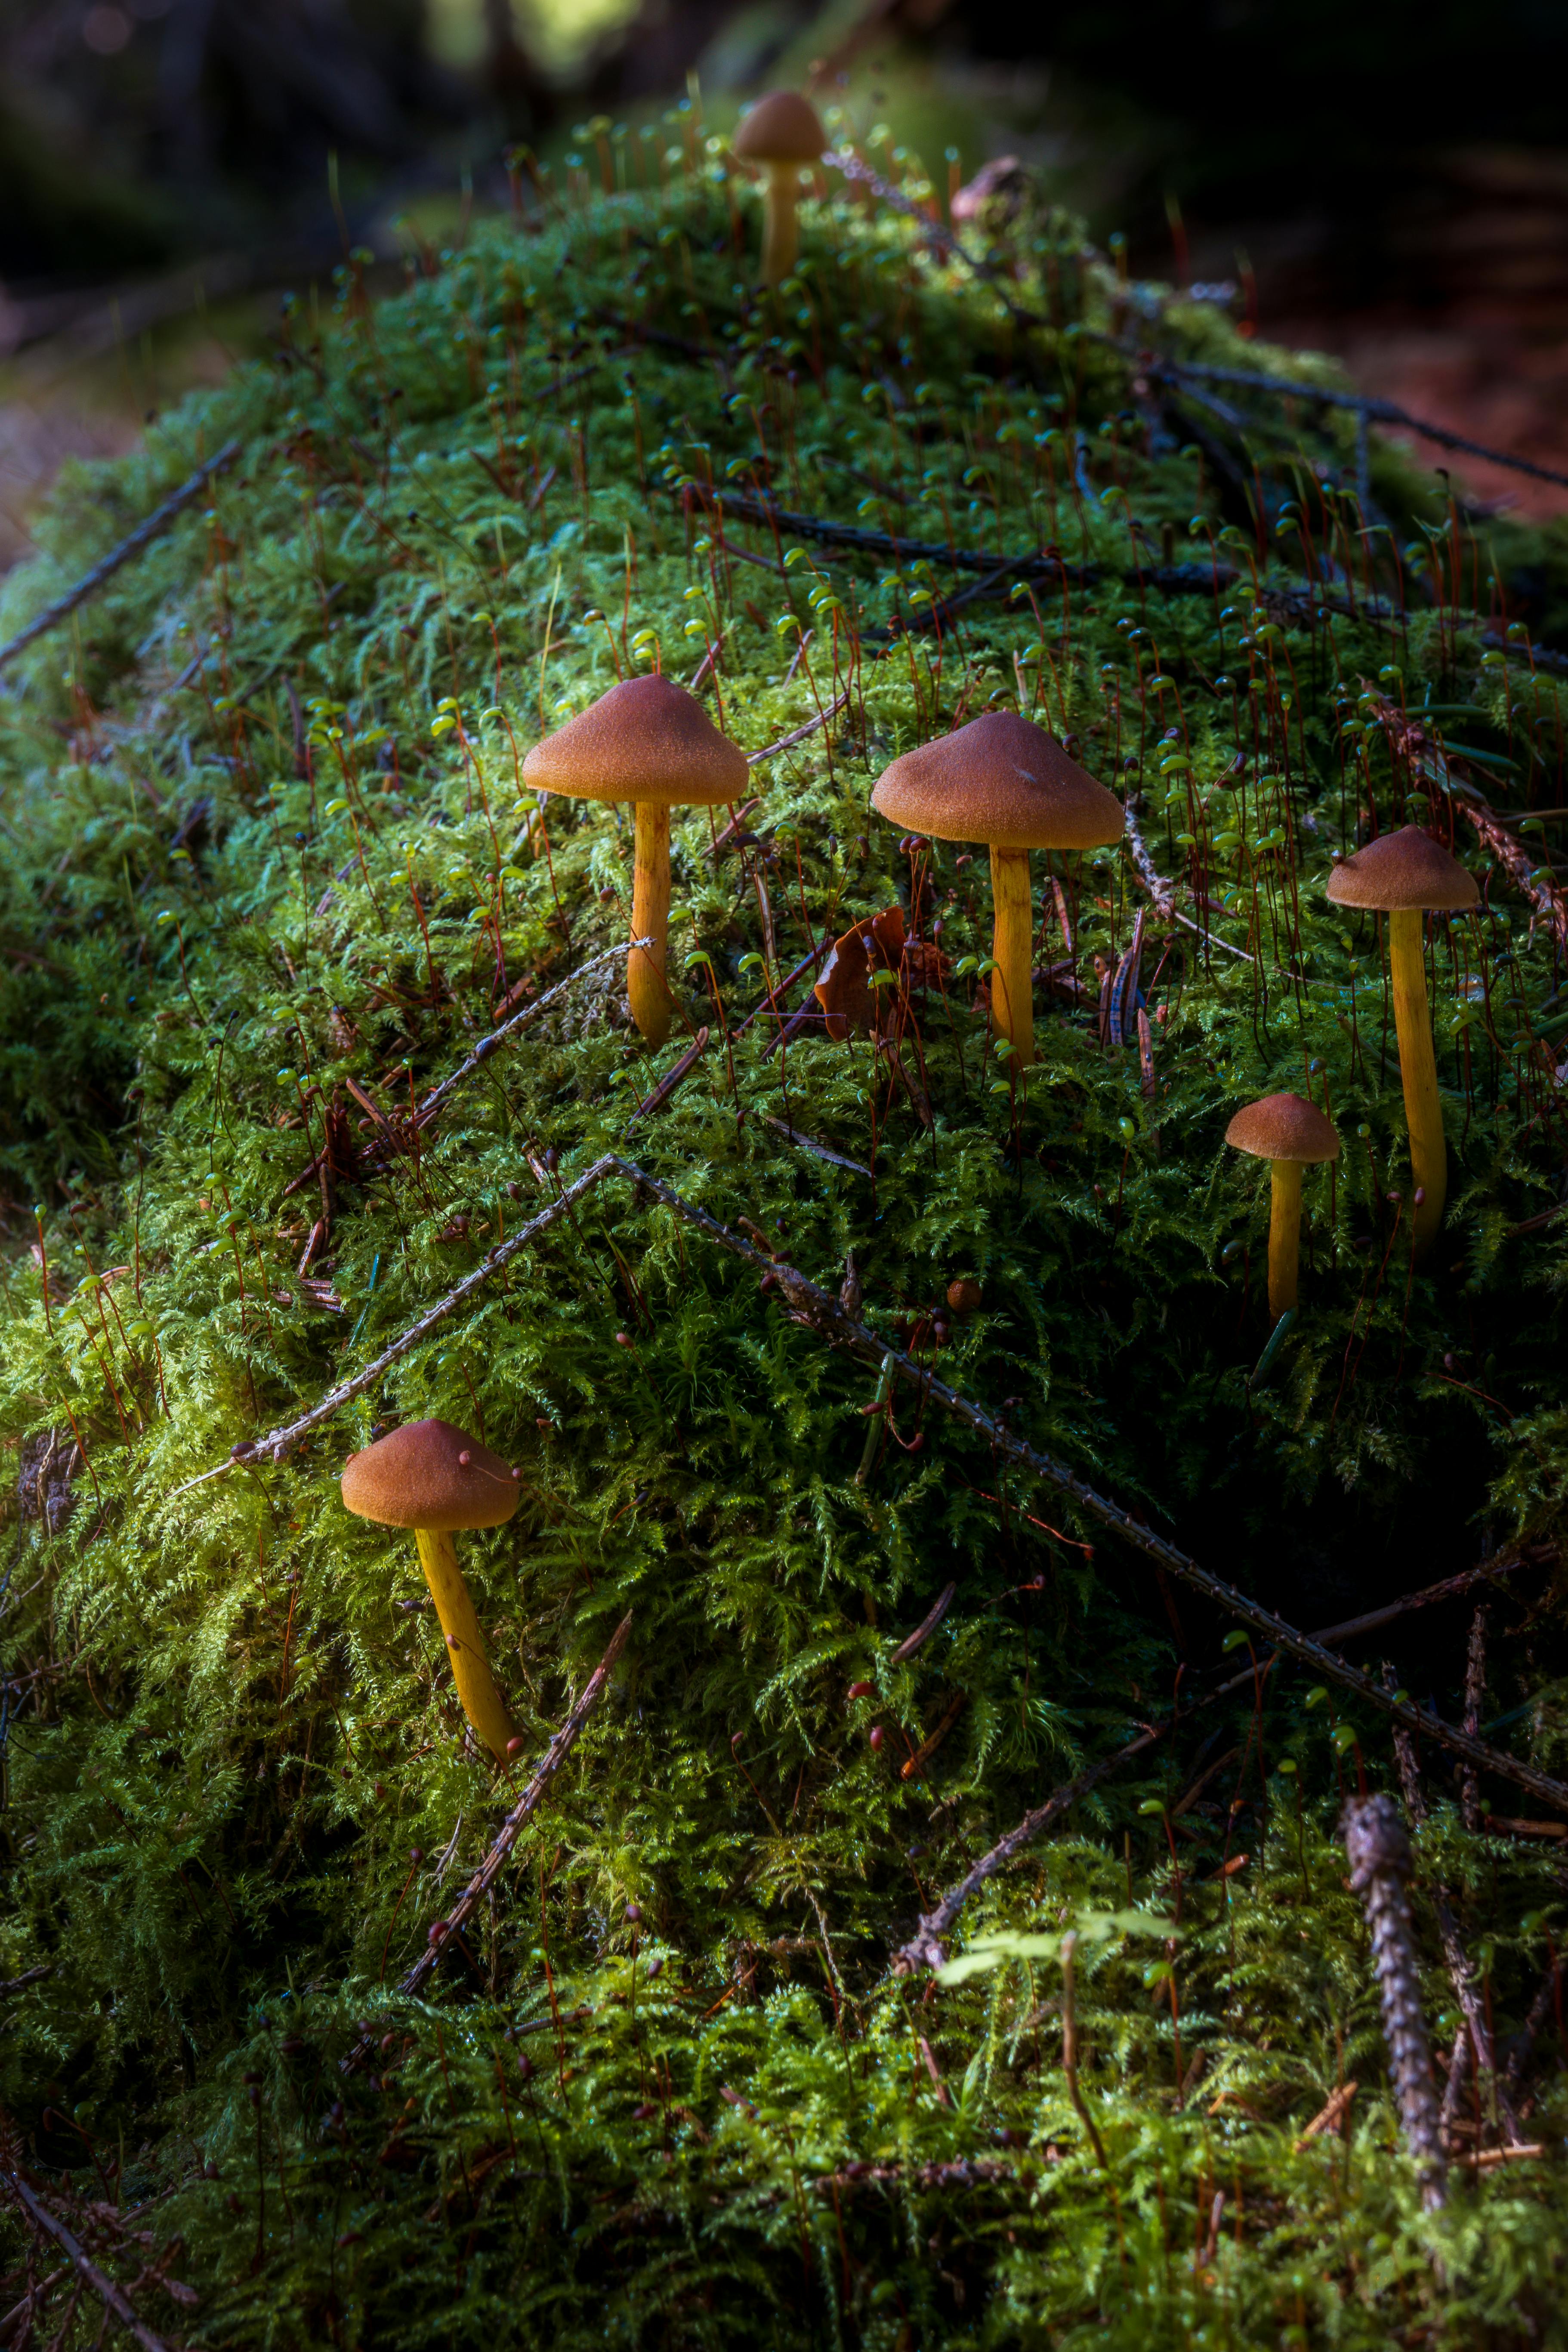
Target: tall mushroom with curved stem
(1291,1133)
(650,743)
(434,1479)
(1402,874)
(782,131)
(1004,781)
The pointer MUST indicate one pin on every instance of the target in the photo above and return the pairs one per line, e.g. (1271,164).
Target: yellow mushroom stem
(1011,950)
(482,1701)
(646,985)
(1418,1071)
(780,232)
(1284,1235)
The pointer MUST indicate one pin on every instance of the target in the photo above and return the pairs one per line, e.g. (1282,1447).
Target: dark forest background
(1390,181)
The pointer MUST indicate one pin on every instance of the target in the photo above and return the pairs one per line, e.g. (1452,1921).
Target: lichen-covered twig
(113,2297)
(142,536)
(1533,883)
(1381,1864)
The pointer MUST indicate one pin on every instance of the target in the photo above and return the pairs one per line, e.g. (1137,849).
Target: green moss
(309,860)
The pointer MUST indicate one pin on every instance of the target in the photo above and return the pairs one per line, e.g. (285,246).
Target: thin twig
(511,1829)
(966,2173)
(1033,563)
(924,1950)
(817,1150)
(756,759)
(142,536)
(1540,2009)
(520,1021)
(1501,1563)
(11,2321)
(114,2297)
(926,1627)
(522,1812)
(914,1766)
(670,1080)
(1377,412)
(1331,2117)
(735,831)
(278,1441)
(29,1975)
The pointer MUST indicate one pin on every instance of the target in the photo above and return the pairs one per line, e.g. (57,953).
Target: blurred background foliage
(1390,184)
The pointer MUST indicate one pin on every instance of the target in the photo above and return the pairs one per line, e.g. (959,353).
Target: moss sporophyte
(835,643)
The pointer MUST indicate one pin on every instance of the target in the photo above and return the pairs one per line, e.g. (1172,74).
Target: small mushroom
(1004,781)
(1403,874)
(434,1479)
(650,743)
(1292,1133)
(782,131)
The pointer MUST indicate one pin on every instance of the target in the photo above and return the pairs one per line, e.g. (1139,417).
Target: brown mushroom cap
(1400,870)
(781,128)
(999,779)
(1283,1126)
(429,1475)
(647,740)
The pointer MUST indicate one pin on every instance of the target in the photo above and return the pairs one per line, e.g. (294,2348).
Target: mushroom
(782,131)
(1401,874)
(434,1479)
(1293,1133)
(650,743)
(1004,781)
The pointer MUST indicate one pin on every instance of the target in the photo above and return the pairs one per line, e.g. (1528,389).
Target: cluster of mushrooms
(999,779)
